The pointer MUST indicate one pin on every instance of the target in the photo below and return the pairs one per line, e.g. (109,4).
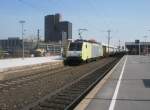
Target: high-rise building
(54,28)
(66,26)
(51,30)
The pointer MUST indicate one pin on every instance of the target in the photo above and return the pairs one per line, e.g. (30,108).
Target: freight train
(85,51)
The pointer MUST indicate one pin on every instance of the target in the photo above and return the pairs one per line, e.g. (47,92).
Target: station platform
(125,87)
(17,67)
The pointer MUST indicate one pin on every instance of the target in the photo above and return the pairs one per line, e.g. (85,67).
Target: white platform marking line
(85,102)
(113,101)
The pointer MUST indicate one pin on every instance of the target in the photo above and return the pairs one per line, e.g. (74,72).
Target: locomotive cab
(74,53)
(83,51)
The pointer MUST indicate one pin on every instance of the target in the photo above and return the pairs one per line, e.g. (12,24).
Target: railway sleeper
(66,95)
(55,105)
(68,98)
(75,91)
(78,88)
(83,83)
(82,87)
(57,101)
(60,100)
(69,93)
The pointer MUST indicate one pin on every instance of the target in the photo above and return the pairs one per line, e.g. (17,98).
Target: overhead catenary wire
(96,12)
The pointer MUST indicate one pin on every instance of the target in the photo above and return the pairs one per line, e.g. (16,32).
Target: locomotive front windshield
(75,46)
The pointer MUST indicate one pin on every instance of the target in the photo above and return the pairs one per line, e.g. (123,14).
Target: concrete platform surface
(18,67)
(127,88)
(18,62)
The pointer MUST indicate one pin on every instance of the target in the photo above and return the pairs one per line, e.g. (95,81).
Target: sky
(127,19)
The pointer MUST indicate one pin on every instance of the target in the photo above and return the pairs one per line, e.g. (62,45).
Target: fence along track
(68,97)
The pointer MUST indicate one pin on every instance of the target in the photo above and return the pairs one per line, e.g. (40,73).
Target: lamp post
(139,48)
(146,44)
(119,45)
(22,26)
(109,31)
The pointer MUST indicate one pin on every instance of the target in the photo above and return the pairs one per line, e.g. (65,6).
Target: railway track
(19,93)
(30,78)
(68,97)
(20,80)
